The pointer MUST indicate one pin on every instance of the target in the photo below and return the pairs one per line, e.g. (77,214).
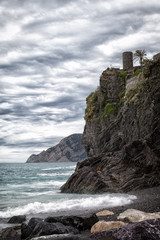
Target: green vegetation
(104,100)
(147,68)
(110,108)
(96,109)
(122,94)
(92,101)
(134,94)
(123,74)
(98,106)
(137,72)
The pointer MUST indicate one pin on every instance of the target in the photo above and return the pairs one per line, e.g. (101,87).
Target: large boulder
(104,226)
(10,234)
(17,219)
(27,229)
(37,227)
(81,222)
(104,213)
(45,228)
(145,230)
(133,215)
(62,237)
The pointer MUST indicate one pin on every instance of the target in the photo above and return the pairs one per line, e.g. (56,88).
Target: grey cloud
(44,63)
(48,142)
(2,142)
(5,111)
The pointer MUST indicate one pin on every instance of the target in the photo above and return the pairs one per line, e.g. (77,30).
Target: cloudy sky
(52,53)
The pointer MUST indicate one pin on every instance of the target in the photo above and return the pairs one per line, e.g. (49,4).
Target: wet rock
(36,227)
(145,230)
(46,228)
(34,221)
(133,215)
(82,222)
(10,234)
(62,237)
(104,226)
(27,229)
(17,219)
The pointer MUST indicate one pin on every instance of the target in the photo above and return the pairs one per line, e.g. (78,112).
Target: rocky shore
(112,223)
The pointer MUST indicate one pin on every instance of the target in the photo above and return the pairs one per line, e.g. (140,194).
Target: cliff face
(122,133)
(69,149)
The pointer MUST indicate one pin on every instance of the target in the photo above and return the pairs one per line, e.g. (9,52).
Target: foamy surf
(59,168)
(55,174)
(81,203)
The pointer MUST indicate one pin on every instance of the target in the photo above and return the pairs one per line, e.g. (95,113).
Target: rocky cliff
(122,133)
(69,149)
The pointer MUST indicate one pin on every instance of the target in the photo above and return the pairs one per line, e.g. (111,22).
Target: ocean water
(34,188)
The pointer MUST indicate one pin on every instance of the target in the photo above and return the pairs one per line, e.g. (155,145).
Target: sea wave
(91,202)
(59,168)
(55,174)
(34,194)
(37,184)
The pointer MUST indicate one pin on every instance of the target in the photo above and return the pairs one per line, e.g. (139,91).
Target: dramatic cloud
(51,56)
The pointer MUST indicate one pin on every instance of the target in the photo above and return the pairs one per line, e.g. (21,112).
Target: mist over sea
(34,188)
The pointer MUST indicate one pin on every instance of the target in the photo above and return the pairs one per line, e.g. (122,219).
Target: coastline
(148,200)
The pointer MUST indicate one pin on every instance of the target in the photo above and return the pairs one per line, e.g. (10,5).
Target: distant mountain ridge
(68,149)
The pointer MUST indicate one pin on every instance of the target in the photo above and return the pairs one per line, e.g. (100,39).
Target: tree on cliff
(140,55)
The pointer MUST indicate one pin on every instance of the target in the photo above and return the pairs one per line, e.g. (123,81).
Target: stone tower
(127,60)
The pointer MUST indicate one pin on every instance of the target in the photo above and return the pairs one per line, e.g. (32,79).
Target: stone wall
(156,57)
(111,84)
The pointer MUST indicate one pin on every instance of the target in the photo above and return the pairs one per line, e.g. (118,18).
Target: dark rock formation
(27,229)
(79,222)
(38,227)
(63,237)
(69,149)
(12,233)
(17,219)
(57,225)
(145,230)
(122,133)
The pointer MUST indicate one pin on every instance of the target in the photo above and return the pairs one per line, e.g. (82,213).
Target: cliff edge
(69,149)
(122,133)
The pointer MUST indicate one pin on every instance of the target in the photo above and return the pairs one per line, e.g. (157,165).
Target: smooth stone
(104,226)
(133,215)
(104,213)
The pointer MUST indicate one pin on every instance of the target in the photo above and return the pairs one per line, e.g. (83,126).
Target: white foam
(38,184)
(34,194)
(92,202)
(59,168)
(55,174)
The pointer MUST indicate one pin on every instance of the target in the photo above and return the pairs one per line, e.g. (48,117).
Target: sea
(34,188)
